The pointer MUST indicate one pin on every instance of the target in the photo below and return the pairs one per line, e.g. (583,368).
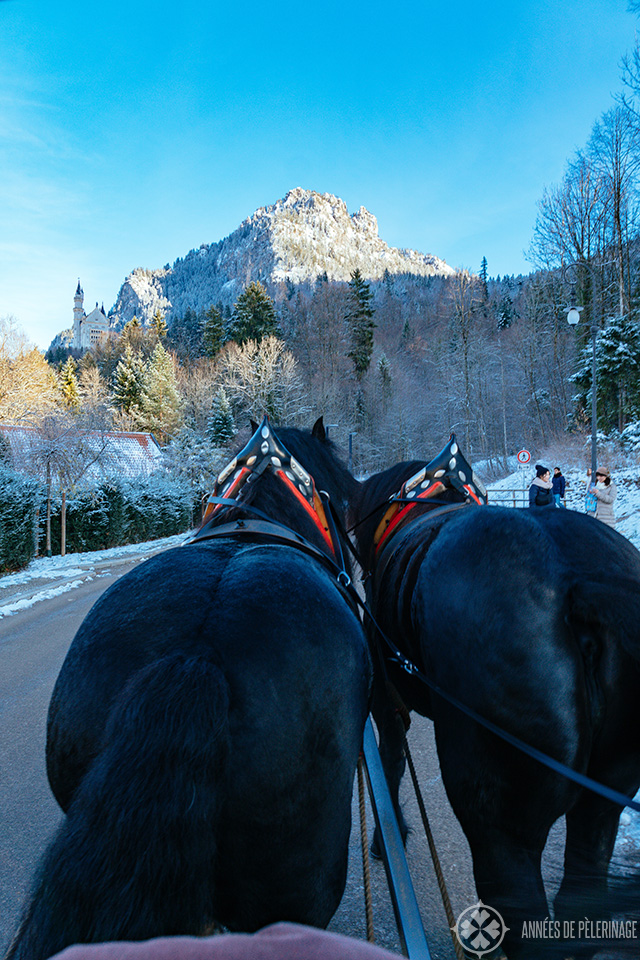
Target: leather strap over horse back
(449,469)
(264,451)
(270,531)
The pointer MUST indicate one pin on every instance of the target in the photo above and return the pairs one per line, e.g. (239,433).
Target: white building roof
(125,454)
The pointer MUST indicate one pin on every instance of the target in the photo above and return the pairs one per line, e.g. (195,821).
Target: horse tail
(135,857)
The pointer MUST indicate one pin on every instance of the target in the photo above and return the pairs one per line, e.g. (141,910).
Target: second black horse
(204,730)
(532,619)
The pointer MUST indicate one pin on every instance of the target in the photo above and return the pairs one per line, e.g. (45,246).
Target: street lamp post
(573,317)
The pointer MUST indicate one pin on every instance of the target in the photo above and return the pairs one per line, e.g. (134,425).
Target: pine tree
(617,373)
(68,384)
(185,335)
(213,332)
(160,400)
(221,426)
(505,312)
(384,369)
(254,315)
(360,320)
(127,383)
(483,278)
(158,325)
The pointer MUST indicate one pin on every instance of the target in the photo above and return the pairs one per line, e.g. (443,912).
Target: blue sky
(133,132)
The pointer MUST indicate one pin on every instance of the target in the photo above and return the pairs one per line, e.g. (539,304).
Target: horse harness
(263,452)
(448,470)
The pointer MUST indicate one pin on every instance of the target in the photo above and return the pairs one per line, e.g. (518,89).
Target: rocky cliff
(294,240)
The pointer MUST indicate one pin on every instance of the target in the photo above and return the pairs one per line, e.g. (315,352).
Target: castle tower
(78,315)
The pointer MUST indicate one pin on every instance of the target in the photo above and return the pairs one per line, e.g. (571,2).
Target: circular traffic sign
(524,456)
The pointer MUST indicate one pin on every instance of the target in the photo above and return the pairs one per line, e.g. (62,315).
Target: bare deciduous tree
(62,450)
(615,149)
(263,378)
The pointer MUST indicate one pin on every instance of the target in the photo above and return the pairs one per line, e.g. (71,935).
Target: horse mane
(323,460)
(375,490)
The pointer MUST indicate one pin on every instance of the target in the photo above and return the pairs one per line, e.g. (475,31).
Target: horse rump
(135,857)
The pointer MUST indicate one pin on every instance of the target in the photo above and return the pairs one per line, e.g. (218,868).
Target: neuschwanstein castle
(88,328)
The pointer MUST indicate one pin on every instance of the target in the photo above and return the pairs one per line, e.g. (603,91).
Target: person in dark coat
(559,484)
(541,490)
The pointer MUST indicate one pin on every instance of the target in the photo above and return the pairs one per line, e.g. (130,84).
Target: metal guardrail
(508,497)
(511,497)
(403,897)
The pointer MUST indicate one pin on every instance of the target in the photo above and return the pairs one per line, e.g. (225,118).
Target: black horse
(205,727)
(531,618)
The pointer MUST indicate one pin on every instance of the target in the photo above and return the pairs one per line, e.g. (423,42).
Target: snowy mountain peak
(296,239)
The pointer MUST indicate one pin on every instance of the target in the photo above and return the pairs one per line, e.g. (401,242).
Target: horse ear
(318,430)
(254,425)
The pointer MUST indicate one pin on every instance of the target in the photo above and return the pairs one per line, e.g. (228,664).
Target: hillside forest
(397,363)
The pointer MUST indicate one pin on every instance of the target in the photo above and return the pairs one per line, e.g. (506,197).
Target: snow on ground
(23,602)
(53,566)
(70,571)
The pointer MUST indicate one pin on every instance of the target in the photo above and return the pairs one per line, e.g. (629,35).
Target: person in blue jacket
(541,490)
(558,483)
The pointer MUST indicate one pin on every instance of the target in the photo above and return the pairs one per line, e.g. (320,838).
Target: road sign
(524,456)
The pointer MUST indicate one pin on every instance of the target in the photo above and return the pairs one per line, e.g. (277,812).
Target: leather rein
(272,531)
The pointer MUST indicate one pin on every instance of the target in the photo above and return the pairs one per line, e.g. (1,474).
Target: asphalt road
(33,644)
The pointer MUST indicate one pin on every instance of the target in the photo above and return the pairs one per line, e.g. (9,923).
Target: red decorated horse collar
(263,452)
(449,469)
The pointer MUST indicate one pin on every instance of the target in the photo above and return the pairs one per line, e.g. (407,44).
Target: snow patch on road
(54,567)
(73,565)
(25,602)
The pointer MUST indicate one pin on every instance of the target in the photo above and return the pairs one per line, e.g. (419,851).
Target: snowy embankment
(49,577)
